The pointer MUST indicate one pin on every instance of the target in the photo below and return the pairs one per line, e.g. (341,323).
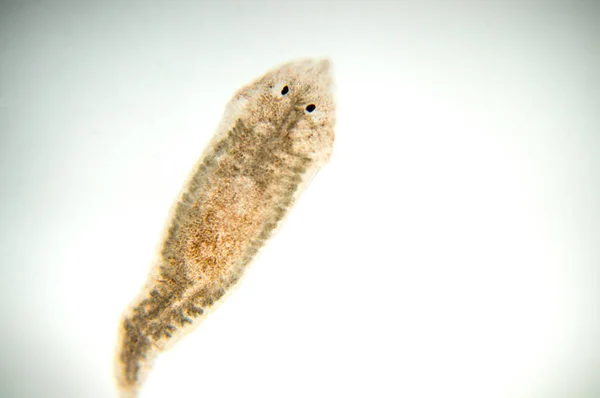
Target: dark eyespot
(310,108)
(285,90)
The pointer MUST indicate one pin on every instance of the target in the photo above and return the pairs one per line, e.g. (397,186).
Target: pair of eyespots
(309,108)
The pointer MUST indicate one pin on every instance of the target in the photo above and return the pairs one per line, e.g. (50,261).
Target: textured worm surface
(275,134)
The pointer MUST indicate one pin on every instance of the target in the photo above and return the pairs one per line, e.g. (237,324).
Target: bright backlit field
(449,250)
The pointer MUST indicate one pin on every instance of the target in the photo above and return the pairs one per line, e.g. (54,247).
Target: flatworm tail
(150,326)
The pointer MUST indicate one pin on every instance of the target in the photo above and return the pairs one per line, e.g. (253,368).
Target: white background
(450,248)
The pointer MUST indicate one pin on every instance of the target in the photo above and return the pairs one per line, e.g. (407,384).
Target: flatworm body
(275,134)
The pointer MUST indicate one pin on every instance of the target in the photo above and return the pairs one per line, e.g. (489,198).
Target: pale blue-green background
(450,249)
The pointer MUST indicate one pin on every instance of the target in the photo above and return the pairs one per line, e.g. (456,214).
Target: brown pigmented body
(263,153)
